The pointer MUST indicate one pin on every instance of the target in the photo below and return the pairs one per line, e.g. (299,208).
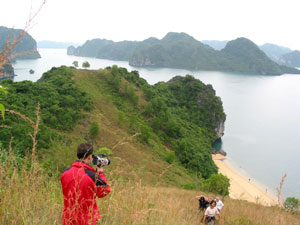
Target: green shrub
(189,186)
(145,133)
(86,64)
(104,150)
(170,157)
(291,204)
(94,129)
(217,183)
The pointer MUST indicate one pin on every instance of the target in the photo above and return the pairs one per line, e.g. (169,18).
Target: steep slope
(273,51)
(242,55)
(183,114)
(291,59)
(27,45)
(7,72)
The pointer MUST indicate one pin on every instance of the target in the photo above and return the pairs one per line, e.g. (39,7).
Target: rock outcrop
(25,49)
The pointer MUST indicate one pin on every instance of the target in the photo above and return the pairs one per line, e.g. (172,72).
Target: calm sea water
(263,115)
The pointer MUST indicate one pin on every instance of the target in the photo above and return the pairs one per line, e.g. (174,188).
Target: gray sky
(273,21)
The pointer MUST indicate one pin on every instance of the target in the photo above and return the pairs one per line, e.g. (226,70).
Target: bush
(189,186)
(94,129)
(217,183)
(104,150)
(86,64)
(170,157)
(291,204)
(145,133)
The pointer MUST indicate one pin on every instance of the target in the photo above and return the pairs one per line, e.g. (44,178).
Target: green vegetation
(94,129)
(217,183)
(86,65)
(292,204)
(75,63)
(179,50)
(145,188)
(61,105)
(182,113)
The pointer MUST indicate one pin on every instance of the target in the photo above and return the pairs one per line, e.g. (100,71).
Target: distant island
(291,59)
(279,54)
(25,49)
(55,44)
(180,50)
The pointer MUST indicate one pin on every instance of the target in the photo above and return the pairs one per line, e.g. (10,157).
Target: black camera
(100,160)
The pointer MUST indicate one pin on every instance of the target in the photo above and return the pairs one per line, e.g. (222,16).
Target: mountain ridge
(180,50)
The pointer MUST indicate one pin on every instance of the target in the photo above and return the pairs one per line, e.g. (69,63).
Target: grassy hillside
(174,123)
(149,184)
(31,197)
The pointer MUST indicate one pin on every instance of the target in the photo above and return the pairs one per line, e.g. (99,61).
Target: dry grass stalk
(4,126)
(34,125)
(35,130)
(10,148)
(280,203)
(125,140)
(21,116)
(5,53)
(166,170)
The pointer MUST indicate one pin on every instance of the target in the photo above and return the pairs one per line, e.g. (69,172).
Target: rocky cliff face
(25,49)
(7,72)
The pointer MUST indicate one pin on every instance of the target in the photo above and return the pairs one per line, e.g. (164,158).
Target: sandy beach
(241,187)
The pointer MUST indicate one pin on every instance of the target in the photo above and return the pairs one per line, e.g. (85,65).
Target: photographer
(80,185)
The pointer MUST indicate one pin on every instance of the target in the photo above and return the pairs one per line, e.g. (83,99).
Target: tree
(75,63)
(145,133)
(217,183)
(86,64)
(94,129)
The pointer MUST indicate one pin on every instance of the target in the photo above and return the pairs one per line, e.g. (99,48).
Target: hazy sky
(274,21)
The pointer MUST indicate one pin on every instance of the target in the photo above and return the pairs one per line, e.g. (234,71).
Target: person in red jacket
(80,185)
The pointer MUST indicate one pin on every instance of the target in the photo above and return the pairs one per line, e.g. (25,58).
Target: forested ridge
(182,114)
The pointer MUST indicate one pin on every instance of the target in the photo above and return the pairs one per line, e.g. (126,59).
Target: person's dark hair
(84,150)
(212,202)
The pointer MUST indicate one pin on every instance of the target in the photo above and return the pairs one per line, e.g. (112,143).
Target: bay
(262,129)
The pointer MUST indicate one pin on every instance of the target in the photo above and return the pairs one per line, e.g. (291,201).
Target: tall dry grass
(13,40)
(29,196)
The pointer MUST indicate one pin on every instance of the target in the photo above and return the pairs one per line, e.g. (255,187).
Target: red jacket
(80,185)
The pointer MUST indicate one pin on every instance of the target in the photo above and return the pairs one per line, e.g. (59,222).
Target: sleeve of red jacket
(102,191)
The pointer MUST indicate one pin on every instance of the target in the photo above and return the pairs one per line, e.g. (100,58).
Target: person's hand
(99,169)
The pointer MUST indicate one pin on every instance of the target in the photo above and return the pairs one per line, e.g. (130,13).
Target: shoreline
(242,188)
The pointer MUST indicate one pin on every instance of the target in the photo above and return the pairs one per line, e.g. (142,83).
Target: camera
(100,160)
